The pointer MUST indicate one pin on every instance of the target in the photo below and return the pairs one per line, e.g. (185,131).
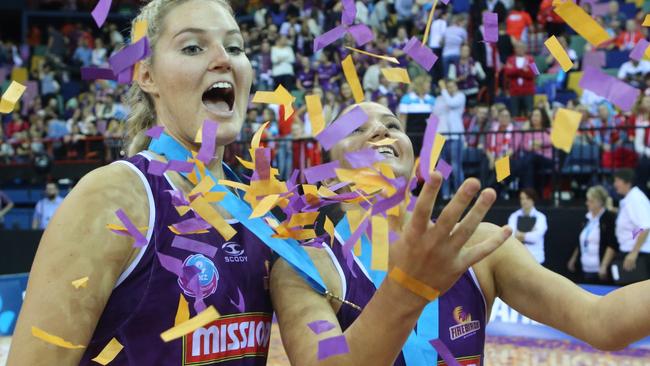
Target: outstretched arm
(549,298)
(432,254)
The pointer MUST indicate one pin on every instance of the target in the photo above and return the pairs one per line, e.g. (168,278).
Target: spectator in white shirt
(282,59)
(529,225)
(597,241)
(633,221)
(452,103)
(455,36)
(46,207)
(642,144)
(436,35)
(633,72)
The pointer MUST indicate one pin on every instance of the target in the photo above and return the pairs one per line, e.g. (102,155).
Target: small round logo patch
(208,275)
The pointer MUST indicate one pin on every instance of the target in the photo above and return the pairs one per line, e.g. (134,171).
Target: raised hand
(435,254)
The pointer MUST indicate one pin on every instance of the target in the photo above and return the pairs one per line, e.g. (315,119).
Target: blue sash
(417,350)
(288,249)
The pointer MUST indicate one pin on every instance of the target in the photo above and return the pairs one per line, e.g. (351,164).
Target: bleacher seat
(19,218)
(584,159)
(577,44)
(614,58)
(70,89)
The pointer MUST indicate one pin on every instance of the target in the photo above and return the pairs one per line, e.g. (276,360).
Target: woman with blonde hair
(197,71)
(597,242)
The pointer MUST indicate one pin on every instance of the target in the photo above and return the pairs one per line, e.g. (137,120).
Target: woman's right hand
(435,254)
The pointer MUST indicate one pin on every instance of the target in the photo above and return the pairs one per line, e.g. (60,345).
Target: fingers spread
(454,209)
(424,204)
(468,225)
(489,245)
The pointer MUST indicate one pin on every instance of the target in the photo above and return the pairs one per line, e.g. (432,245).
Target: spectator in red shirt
(520,80)
(518,22)
(17,124)
(548,19)
(627,39)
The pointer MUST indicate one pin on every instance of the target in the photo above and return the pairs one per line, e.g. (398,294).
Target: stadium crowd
(487,96)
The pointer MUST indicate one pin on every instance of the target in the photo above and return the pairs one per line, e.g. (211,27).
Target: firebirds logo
(465,325)
(208,275)
(228,338)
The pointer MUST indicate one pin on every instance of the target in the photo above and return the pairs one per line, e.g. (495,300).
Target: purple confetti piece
(423,55)
(156,168)
(129,55)
(386,204)
(171,264)
(178,198)
(338,186)
(208,141)
(321,172)
(533,66)
(639,50)
(444,352)
(328,38)
(321,326)
(342,127)
(363,158)
(349,12)
(180,166)
(125,76)
(444,168)
(490,27)
(361,33)
(191,225)
(332,346)
(100,12)
(614,90)
(240,304)
(97,73)
(392,236)
(194,246)
(427,146)
(349,243)
(155,131)
(636,233)
(140,240)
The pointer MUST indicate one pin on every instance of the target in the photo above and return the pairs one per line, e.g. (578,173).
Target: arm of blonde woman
(549,298)
(77,244)
(607,260)
(433,254)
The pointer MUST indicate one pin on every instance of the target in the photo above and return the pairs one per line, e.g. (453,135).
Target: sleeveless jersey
(144,302)
(462,309)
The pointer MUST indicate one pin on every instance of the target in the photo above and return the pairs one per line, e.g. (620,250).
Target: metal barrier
(596,153)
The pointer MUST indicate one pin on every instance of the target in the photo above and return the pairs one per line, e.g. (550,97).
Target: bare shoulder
(283,274)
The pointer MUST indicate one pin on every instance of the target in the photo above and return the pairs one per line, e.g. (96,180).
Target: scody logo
(234,252)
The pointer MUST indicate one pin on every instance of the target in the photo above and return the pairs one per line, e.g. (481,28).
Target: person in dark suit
(598,244)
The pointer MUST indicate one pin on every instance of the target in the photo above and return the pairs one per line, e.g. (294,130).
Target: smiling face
(199,71)
(381,124)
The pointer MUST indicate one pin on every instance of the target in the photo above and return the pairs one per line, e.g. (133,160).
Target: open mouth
(220,97)
(387,151)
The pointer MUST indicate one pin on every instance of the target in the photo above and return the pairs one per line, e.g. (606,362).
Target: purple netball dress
(146,297)
(462,309)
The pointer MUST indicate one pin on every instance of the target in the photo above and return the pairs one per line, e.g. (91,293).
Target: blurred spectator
(501,140)
(83,54)
(520,80)
(529,225)
(17,124)
(642,143)
(617,144)
(633,72)
(591,101)
(597,241)
(627,39)
(449,107)
(46,207)
(99,54)
(282,58)
(455,36)
(554,65)
(49,85)
(329,73)
(518,22)
(548,19)
(614,17)
(6,204)
(436,35)
(467,73)
(415,107)
(537,156)
(633,215)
